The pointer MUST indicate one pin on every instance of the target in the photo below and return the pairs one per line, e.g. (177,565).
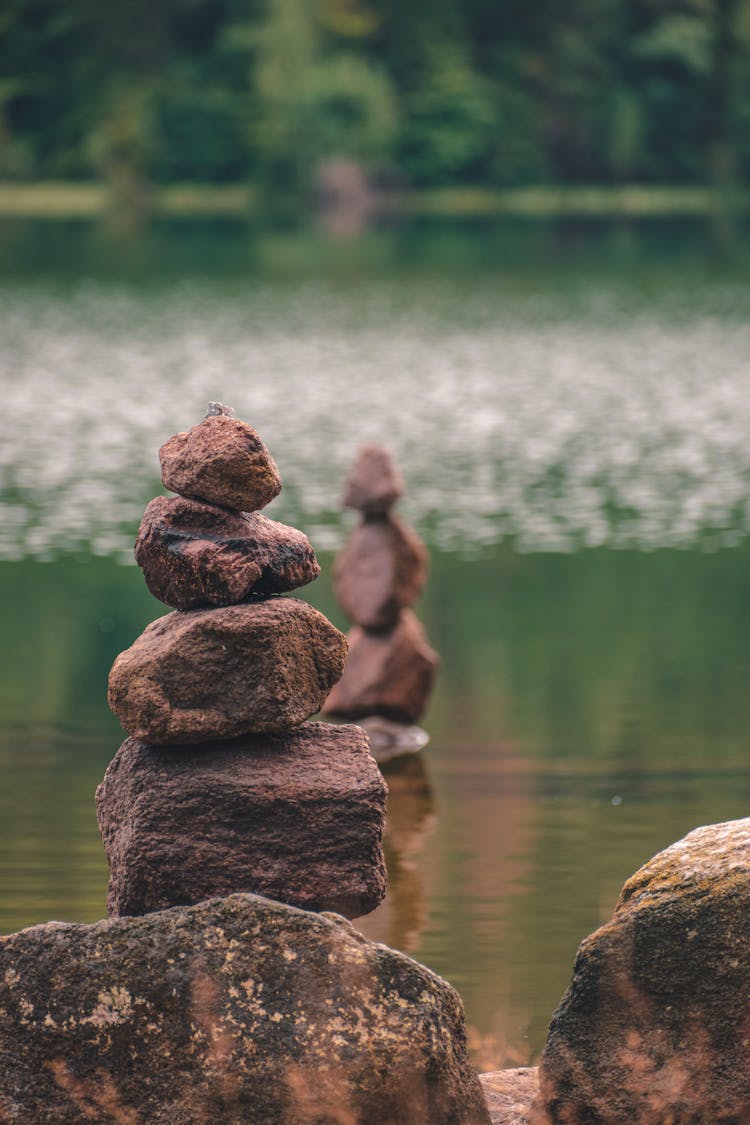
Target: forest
(433,93)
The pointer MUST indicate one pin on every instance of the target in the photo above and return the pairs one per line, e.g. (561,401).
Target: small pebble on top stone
(216,408)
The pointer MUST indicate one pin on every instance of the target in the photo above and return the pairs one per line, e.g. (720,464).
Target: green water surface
(571,408)
(591,709)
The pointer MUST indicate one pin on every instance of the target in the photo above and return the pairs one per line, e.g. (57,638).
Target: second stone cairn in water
(223,784)
(378,576)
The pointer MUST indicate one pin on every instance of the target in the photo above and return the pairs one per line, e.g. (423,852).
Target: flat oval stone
(195,554)
(296,817)
(381,570)
(202,674)
(222,461)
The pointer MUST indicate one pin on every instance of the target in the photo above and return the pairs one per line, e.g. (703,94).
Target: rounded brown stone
(296,817)
(195,554)
(222,461)
(388,674)
(374,482)
(202,674)
(381,570)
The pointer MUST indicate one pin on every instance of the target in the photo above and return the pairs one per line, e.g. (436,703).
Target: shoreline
(70,200)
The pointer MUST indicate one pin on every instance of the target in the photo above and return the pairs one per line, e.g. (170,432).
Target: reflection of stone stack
(286,808)
(377,577)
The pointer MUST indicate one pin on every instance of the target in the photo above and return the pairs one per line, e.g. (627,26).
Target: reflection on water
(557,408)
(400,921)
(51,861)
(592,708)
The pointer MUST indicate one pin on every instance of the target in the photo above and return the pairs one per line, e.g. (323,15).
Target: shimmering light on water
(560,419)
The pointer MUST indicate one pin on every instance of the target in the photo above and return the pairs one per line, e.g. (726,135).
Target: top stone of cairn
(221,461)
(374,482)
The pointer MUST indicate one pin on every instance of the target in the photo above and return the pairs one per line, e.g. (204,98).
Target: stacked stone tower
(223,784)
(379,575)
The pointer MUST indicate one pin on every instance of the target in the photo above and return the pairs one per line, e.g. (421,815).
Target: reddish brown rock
(222,461)
(510,1094)
(239,1010)
(204,674)
(373,483)
(194,554)
(387,674)
(380,571)
(655,1026)
(297,817)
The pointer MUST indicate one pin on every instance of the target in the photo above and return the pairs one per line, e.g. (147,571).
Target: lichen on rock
(654,1026)
(238,1010)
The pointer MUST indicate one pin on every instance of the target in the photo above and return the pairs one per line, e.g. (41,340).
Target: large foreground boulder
(296,817)
(204,674)
(194,554)
(239,1010)
(655,1027)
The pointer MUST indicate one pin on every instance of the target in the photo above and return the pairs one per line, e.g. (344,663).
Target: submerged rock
(222,461)
(296,817)
(207,674)
(654,1026)
(380,571)
(195,554)
(374,482)
(389,739)
(236,1010)
(510,1094)
(388,674)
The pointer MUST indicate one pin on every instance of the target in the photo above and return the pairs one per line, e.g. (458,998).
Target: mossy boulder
(655,1026)
(237,1010)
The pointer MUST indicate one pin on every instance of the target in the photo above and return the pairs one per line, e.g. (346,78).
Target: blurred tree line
(443,92)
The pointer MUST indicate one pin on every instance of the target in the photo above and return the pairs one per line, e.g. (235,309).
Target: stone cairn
(378,576)
(223,785)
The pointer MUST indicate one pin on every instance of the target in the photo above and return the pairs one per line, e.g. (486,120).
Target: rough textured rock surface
(239,1010)
(194,554)
(380,571)
(655,1026)
(510,1094)
(217,673)
(222,461)
(388,674)
(374,482)
(297,817)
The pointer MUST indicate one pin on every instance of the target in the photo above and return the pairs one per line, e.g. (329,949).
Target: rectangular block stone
(297,817)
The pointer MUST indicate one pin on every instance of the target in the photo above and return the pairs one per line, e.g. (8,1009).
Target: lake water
(570,407)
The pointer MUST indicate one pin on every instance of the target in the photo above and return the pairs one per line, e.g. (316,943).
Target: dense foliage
(495,92)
